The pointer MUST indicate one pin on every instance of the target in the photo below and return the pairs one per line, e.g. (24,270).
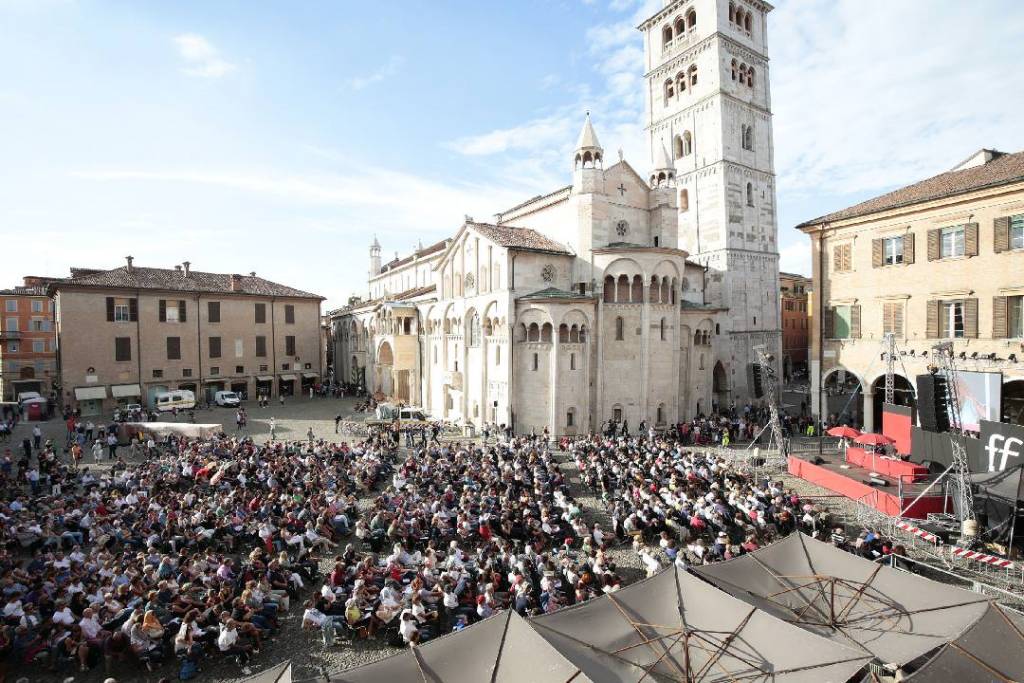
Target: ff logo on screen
(1011,445)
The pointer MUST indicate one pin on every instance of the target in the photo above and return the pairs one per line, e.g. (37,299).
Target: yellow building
(940,259)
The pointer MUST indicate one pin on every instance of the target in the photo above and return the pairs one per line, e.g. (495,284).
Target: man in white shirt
(330,625)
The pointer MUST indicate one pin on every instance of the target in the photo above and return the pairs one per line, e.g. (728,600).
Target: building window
(662,329)
(1015,316)
(261,347)
(617,414)
(536,362)
(750,194)
(38,346)
(122,348)
(497,355)
(842,258)
(572,361)
(37,306)
(263,368)
(1017,231)
(11,325)
(289,314)
(892,251)
(121,312)
(213,311)
(174,348)
(157,374)
(239,348)
(953,242)
(289,345)
(261,313)
(952,316)
(214,369)
(619,325)
(841,319)
(661,413)
(239,369)
(214,347)
(286,366)
(186,372)
(11,305)
(892,318)
(747,137)
(474,331)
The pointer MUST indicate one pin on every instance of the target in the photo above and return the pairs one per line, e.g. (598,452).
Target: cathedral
(622,296)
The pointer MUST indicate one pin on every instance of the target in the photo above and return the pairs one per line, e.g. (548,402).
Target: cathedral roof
(525,239)
(553,293)
(1001,170)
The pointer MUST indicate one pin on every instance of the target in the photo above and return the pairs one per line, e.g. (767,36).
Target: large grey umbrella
(675,627)
(992,649)
(501,649)
(894,615)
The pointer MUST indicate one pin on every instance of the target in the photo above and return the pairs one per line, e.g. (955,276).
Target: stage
(852,482)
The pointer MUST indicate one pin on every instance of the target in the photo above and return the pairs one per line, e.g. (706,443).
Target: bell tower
(708,96)
(375,257)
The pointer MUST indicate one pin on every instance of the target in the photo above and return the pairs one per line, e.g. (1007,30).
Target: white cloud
(796,257)
(390,68)
(873,94)
(537,134)
(201,58)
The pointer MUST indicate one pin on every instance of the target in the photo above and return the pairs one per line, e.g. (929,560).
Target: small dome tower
(588,150)
(663,175)
(375,257)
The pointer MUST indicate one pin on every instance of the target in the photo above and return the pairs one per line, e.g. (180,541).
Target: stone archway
(383,369)
(844,396)
(903,395)
(720,386)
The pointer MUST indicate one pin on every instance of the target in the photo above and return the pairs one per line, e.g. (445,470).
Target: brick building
(128,333)
(28,346)
(796,325)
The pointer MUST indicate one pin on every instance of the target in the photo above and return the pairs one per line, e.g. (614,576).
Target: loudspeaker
(818,460)
(932,391)
(754,380)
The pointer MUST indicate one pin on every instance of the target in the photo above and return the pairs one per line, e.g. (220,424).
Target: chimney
(236,283)
(185,265)
(252,273)
(177,268)
(129,259)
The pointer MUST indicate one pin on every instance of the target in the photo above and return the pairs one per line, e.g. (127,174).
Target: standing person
(310,435)
(272,427)
(37,437)
(97,451)
(112,445)
(337,422)
(280,397)
(238,419)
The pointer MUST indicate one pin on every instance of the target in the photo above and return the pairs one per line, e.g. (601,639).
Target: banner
(1002,445)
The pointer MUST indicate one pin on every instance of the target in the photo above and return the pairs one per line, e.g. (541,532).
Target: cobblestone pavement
(310,659)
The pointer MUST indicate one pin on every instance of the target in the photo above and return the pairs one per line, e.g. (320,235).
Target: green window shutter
(932,322)
(181,311)
(163,310)
(877,253)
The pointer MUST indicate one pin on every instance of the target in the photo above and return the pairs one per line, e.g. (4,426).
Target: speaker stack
(931,402)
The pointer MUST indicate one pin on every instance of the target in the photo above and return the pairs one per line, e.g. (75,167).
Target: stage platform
(852,483)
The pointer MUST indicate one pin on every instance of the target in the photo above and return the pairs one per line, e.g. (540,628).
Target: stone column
(645,347)
(869,411)
(554,424)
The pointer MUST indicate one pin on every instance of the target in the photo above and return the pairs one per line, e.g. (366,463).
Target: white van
(227,398)
(182,399)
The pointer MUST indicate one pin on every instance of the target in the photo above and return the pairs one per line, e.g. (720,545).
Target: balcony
(10,335)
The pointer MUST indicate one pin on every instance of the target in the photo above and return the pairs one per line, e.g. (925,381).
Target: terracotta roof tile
(167,279)
(1005,169)
(519,238)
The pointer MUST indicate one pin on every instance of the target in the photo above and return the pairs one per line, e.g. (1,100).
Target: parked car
(227,398)
(182,399)
(26,396)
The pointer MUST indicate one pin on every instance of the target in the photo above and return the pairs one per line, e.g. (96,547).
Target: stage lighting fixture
(974,355)
(881,356)
(963,355)
(1012,358)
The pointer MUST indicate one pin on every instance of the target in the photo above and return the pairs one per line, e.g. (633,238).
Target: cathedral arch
(746,22)
(622,290)
(692,72)
(684,200)
(473,328)
(691,19)
(609,289)
(681,82)
(677,146)
(545,332)
(666,35)
(563,334)
(679,26)
(734,68)
(533,332)
(654,291)
(750,194)
(670,90)
(636,294)
(574,334)
(687,143)
(675,289)
(521,333)
(583,334)
(750,77)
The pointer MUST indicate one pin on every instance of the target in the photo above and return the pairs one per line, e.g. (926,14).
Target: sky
(281,137)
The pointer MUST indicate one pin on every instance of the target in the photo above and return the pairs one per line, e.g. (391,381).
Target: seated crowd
(202,548)
(194,551)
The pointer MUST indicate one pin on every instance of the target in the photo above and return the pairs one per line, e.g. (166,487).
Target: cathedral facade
(620,296)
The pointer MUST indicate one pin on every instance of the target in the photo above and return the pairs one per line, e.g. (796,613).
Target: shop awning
(213,381)
(90,393)
(287,378)
(310,375)
(264,378)
(122,390)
